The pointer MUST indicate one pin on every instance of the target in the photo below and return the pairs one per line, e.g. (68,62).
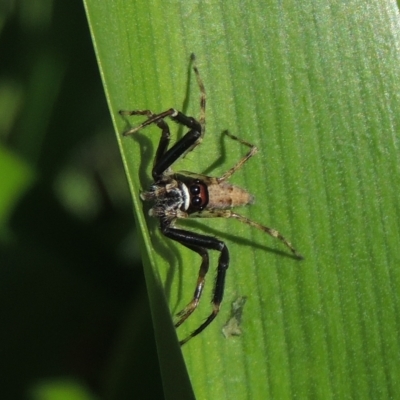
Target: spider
(190,195)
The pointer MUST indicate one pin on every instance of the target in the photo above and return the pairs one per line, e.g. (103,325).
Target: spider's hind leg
(219,213)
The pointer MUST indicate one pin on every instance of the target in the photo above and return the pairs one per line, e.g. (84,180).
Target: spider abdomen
(225,195)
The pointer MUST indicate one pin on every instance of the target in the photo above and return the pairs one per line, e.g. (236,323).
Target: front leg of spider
(166,157)
(200,244)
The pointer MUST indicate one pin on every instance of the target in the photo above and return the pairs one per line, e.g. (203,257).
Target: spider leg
(151,118)
(200,244)
(230,214)
(239,164)
(166,157)
(271,231)
(188,310)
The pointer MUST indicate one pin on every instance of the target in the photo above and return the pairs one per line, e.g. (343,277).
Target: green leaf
(316,87)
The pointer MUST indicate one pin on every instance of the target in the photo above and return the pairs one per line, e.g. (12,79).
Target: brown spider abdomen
(224,195)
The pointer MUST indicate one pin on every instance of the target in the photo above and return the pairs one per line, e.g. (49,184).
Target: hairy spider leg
(271,231)
(174,114)
(218,213)
(239,164)
(151,118)
(195,240)
(165,134)
(205,264)
(166,157)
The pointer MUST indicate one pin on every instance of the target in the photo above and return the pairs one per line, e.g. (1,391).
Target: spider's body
(191,195)
(182,194)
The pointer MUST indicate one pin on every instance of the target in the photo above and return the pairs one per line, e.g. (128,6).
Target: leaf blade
(324,121)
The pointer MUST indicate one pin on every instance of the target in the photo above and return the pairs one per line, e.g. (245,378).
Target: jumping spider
(189,195)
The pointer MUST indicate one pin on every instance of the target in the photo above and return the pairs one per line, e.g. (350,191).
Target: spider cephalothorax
(191,195)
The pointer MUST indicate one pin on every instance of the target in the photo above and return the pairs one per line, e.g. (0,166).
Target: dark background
(73,307)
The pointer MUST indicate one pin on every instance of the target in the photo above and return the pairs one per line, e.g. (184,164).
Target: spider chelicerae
(190,195)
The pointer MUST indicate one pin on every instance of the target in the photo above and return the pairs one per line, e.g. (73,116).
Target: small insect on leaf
(232,327)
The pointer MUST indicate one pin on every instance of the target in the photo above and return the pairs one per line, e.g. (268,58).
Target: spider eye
(196,201)
(198,196)
(194,190)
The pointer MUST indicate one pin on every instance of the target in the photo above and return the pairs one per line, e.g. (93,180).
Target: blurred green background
(74,315)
